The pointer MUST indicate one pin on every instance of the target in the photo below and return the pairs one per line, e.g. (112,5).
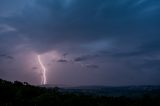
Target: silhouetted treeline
(23,94)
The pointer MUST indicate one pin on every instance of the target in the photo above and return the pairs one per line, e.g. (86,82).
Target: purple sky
(81,42)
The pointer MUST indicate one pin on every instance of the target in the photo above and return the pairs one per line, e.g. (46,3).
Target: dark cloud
(123,34)
(62,61)
(7,56)
(94,20)
(2,55)
(34,68)
(10,57)
(65,54)
(149,65)
(80,59)
(85,58)
(92,66)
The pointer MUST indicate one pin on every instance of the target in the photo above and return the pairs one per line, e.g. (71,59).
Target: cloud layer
(120,38)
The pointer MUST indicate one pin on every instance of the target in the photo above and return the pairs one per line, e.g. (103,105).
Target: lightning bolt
(43,81)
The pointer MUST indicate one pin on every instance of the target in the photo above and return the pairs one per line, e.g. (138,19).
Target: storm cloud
(120,36)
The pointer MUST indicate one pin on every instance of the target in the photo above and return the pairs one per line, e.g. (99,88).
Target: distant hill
(130,91)
(23,94)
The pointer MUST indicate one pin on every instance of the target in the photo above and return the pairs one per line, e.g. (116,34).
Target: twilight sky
(81,42)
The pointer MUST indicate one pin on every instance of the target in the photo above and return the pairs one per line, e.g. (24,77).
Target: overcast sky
(81,42)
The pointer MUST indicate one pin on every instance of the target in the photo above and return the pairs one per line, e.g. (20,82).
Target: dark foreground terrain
(23,94)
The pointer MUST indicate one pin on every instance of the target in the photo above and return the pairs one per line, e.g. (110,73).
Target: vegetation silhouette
(23,94)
